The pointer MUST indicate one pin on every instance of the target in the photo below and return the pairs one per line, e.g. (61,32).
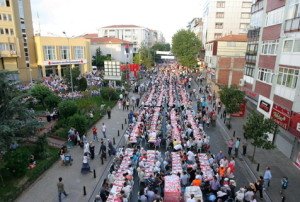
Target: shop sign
(264,106)
(64,62)
(280,116)
(294,126)
(298,160)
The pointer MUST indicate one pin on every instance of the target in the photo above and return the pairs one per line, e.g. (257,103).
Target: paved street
(45,189)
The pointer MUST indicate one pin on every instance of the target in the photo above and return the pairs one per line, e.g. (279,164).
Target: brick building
(272,68)
(225,59)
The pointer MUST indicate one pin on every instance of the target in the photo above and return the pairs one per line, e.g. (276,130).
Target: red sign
(294,124)
(280,116)
(241,113)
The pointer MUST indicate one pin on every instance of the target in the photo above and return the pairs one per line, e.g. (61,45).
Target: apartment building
(221,18)
(120,50)
(225,59)
(137,35)
(196,26)
(271,74)
(16,39)
(55,55)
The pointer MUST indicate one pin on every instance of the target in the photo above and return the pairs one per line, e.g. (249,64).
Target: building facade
(58,54)
(221,18)
(196,26)
(120,50)
(17,51)
(137,35)
(271,76)
(225,59)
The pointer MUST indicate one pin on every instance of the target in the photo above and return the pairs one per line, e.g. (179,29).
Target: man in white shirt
(104,130)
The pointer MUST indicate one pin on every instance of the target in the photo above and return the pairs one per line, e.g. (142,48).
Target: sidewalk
(280,165)
(45,189)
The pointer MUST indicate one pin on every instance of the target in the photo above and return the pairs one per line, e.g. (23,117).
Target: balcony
(250,59)
(253,33)
(257,6)
(292,25)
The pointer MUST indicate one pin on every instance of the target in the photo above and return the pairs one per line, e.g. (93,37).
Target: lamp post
(69,59)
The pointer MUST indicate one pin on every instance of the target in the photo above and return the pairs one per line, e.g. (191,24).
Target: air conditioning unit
(242,82)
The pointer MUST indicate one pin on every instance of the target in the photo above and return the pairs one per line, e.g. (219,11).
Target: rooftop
(111,40)
(122,26)
(233,38)
(89,36)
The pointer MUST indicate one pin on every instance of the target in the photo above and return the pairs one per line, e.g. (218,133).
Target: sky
(77,17)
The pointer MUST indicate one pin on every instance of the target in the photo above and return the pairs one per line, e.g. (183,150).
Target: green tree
(75,75)
(144,57)
(256,130)
(14,116)
(186,47)
(67,108)
(82,84)
(52,101)
(109,93)
(16,162)
(40,149)
(79,122)
(40,92)
(98,59)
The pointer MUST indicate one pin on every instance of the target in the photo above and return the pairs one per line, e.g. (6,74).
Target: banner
(280,116)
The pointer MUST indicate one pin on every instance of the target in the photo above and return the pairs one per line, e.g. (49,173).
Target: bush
(17,162)
(62,132)
(40,150)
(82,84)
(79,122)
(67,108)
(109,93)
(52,101)
(40,92)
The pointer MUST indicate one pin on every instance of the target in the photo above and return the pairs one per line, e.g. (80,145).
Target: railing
(253,33)
(292,25)
(257,6)
(250,58)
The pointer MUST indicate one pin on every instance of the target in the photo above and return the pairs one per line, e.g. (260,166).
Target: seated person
(32,162)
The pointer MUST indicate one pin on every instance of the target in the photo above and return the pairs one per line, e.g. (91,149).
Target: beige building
(16,39)
(57,54)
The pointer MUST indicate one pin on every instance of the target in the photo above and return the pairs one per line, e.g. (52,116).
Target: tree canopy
(75,75)
(16,121)
(186,47)
(144,57)
(232,98)
(256,130)
(41,92)
(98,59)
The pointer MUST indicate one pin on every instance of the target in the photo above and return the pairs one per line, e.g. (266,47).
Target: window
(249,70)
(9,17)
(269,47)
(219,25)
(0,16)
(287,46)
(79,52)
(1,31)
(293,10)
(291,45)
(4,17)
(275,17)
(12,32)
(3,46)
(219,14)
(296,46)
(49,53)
(64,52)
(5,3)
(252,48)
(7,47)
(217,35)
(245,15)
(246,5)
(6,31)
(265,75)
(220,4)
(12,47)
(231,44)
(243,25)
(288,77)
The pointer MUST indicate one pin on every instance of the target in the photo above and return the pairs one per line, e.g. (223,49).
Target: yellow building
(57,54)
(16,39)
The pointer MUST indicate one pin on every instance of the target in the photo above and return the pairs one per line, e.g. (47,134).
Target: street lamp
(69,59)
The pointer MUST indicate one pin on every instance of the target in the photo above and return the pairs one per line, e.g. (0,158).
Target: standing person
(120,104)
(124,104)
(236,147)
(267,178)
(127,104)
(85,164)
(230,144)
(108,112)
(284,185)
(92,150)
(104,130)
(95,135)
(259,186)
(102,151)
(137,102)
(219,107)
(244,148)
(61,189)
